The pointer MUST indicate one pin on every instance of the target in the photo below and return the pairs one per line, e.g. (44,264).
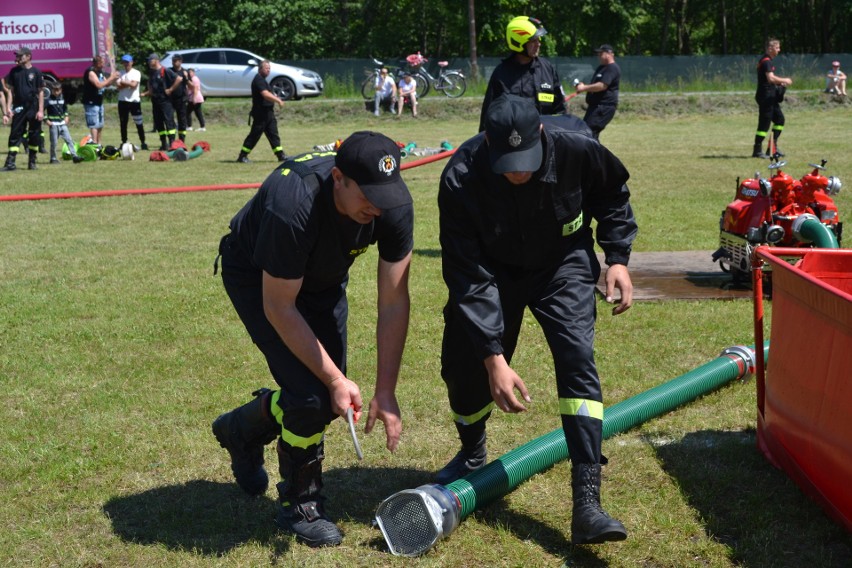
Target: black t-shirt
(609,75)
(159,81)
(25,84)
(765,89)
(291,228)
(258,85)
(92,95)
(180,91)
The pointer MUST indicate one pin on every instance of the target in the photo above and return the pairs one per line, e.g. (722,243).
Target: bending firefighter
(516,206)
(285,267)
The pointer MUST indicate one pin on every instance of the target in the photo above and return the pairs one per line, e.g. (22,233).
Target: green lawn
(119,347)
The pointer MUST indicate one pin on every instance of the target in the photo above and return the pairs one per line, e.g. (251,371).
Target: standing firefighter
(285,266)
(770,93)
(262,116)
(26,109)
(162,82)
(524,73)
(516,204)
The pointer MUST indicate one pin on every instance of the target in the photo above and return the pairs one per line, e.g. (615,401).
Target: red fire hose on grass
(185,189)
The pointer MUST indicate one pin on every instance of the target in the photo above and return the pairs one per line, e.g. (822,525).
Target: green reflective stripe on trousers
(246,150)
(761,133)
(290,438)
(777,128)
(581,407)
(473,418)
(277,149)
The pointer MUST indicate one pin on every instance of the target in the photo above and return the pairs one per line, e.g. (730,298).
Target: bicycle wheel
(453,84)
(368,87)
(422,85)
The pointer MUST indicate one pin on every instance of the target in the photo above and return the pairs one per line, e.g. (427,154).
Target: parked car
(228,72)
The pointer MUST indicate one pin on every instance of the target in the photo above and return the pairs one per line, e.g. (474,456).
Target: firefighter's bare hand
(617,276)
(384,407)
(503,381)
(344,394)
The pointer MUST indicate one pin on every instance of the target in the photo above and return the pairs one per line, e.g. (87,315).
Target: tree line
(327,29)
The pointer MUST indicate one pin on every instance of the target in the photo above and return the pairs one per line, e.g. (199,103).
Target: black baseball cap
(605,47)
(372,161)
(513,128)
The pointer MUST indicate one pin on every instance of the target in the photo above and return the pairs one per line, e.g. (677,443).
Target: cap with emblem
(371,160)
(513,129)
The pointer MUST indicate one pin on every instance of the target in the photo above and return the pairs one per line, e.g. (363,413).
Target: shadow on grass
(213,518)
(751,507)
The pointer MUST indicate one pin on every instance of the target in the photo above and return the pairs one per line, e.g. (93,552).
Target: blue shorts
(94,116)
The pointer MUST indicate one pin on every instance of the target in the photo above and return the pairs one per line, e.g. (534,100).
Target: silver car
(227,72)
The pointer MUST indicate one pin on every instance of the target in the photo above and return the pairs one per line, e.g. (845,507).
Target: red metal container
(805,398)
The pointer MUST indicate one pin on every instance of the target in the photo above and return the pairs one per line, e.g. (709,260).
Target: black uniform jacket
(537,81)
(489,227)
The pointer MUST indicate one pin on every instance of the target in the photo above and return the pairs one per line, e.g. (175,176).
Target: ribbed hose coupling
(745,358)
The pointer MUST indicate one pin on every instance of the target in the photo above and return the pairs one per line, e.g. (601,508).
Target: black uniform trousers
(164,118)
(304,399)
(598,116)
(263,122)
(25,121)
(179,104)
(562,300)
(769,112)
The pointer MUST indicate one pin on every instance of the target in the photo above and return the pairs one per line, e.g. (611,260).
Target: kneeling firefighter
(285,267)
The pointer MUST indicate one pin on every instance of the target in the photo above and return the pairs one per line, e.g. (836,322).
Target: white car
(227,72)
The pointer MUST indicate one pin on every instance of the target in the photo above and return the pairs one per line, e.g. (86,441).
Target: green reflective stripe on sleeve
(570,228)
(290,438)
(581,407)
(473,418)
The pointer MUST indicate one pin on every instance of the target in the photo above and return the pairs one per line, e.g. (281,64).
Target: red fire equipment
(778,211)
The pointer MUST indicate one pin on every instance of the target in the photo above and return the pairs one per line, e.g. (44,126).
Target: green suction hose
(413,520)
(808,229)
(509,470)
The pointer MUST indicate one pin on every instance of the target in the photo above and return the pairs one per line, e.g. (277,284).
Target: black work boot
(472,456)
(302,511)
(590,524)
(758,151)
(10,166)
(244,432)
(243,158)
(32,163)
(281,156)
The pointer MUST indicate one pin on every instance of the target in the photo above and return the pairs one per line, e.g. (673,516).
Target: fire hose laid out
(413,520)
(148,191)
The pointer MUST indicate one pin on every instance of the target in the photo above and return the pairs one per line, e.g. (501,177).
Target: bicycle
(451,82)
(368,87)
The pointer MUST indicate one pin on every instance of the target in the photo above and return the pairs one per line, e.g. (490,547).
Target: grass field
(119,347)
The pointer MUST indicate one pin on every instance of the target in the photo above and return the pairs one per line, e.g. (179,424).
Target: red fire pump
(779,211)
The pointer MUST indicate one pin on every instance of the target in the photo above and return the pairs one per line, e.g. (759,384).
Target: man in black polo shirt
(285,266)
(26,109)
(602,92)
(263,120)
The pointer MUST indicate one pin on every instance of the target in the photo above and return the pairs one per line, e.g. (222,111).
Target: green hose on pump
(413,520)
